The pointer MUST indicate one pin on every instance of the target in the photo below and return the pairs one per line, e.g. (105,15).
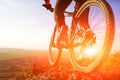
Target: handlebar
(49,7)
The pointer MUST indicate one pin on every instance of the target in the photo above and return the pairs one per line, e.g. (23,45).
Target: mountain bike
(87,55)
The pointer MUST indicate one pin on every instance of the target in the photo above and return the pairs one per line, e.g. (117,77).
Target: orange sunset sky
(25,24)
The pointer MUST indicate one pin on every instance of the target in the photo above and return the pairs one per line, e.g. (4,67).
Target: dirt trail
(36,67)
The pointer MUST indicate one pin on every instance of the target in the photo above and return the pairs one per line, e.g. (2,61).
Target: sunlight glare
(90,51)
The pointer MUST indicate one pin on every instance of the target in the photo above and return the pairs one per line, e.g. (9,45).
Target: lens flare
(90,52)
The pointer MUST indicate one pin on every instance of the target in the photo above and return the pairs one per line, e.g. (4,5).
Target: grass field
(18,64)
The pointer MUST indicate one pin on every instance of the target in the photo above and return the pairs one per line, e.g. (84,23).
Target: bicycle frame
(73,27)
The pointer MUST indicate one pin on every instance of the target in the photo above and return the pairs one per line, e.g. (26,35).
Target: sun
(90,51)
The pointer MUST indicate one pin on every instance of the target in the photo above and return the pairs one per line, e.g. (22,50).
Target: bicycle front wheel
(54,52)
(101,21)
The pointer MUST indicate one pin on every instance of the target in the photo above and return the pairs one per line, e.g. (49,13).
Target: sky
(26,24)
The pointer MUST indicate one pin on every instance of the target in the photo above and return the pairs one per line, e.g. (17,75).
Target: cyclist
(59,9)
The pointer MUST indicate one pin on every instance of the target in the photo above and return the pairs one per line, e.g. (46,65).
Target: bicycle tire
(53,62)
(109,35)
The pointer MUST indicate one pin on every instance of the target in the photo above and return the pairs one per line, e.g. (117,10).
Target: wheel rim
(86,61)
(54,55)
(54,52)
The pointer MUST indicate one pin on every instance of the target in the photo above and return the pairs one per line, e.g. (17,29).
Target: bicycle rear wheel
(101,21)
(54,52)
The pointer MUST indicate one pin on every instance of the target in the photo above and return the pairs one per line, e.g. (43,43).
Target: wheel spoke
(87,57)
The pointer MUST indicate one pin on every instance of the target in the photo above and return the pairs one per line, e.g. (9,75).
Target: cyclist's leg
(60,7)
(84,21)
(84,16)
